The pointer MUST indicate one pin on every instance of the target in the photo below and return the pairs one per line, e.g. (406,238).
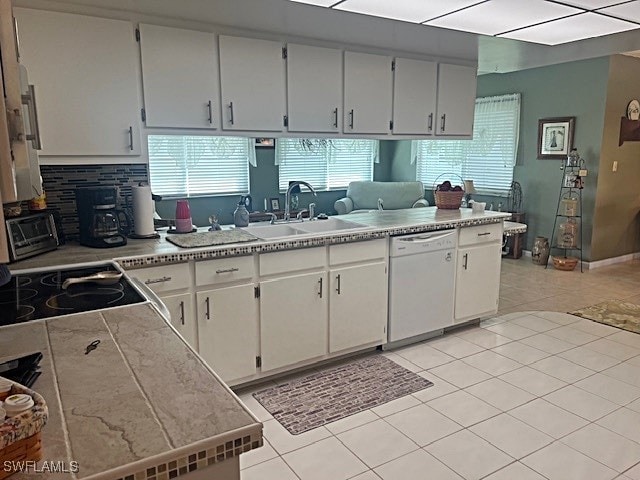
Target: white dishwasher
(421,283)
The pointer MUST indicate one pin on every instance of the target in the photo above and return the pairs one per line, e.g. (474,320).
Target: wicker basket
(565,263)
(448,200)
(29,448)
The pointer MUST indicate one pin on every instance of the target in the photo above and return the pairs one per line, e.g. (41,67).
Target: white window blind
(325,164)
(488,159)
(188,166)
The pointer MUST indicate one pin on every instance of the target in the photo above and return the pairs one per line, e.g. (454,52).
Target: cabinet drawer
(357,252)
(225,270)
(165,278)
(292,260)
(480,234)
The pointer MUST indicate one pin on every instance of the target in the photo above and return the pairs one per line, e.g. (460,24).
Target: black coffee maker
(99,220)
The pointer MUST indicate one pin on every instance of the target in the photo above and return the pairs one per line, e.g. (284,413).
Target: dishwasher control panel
(423,242)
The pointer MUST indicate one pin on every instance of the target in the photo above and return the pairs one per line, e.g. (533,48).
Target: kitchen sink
(268,232)
(330,225)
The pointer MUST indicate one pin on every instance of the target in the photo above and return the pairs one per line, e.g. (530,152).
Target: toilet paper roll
(143,209)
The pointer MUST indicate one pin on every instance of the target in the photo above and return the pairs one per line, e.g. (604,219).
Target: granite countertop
(376,224)
(141,402)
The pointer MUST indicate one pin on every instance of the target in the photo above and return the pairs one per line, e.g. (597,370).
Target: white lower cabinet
(228,330)
(293,319)
(181,310)
(357,306)
(477,281)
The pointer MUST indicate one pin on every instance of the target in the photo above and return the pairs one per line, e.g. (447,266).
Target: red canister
(184,223)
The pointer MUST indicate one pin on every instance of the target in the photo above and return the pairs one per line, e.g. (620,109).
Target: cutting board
(209,239)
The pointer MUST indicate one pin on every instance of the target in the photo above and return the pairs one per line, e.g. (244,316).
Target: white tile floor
(531,394)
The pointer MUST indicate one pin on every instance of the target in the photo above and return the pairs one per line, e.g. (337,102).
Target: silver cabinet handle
(227,270)
(466,260)
(210,118)
(443,119)
(207,314)
(131,138)
(430,123)
(320,283)
(351,115)
(231,113)
(34,127)
(338,287)
(335,117)
(157,280)
(182,313)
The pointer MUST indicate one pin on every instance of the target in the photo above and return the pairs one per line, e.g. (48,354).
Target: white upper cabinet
(414,97)
(86,78)
(314,89)
(368,85)
(252,83)
(456,99)
(179,77)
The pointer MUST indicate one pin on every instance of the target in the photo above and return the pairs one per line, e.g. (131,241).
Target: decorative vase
(540,251)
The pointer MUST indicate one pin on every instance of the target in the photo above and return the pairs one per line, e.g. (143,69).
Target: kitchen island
(142,405)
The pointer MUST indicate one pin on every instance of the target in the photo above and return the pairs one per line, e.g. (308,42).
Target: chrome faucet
(287,197)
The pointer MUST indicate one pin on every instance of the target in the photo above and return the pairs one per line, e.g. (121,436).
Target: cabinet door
(179,76)
(367,93)
(414,97)
(182,317)
(477,281)
(293,319)
(357,306)
(314,88)
(252,83)
(85,73)
(456,99)
(228,330)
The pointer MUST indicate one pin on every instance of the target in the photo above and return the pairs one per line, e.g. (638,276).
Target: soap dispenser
(241,214)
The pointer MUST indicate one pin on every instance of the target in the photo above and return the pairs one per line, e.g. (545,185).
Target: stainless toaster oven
(31,234)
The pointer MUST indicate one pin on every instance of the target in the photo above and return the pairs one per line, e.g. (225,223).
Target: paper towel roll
(143,209)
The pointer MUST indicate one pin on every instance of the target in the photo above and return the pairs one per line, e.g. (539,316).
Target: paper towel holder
(155,234)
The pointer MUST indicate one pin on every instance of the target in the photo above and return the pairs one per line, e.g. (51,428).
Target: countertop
(141,400)
(375,224)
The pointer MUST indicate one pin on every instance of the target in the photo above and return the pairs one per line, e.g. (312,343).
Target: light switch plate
(582,173)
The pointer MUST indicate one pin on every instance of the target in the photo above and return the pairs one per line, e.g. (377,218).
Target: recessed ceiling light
(628,11)
(591,4)
(577,27)
(497,16)
(320,3)
(408,10)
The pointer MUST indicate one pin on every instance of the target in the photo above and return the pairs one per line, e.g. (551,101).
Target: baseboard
(598,263)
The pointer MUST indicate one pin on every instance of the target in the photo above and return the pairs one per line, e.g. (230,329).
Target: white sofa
(364,195)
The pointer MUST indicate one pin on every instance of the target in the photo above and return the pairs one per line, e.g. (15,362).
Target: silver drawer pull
(228,270)
(484,234)
(157,280)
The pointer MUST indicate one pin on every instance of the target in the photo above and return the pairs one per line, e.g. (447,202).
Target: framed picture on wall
(555,137)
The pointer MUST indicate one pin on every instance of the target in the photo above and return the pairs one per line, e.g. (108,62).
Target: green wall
(263,181)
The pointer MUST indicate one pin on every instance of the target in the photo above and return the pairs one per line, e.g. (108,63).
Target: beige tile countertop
(375,224)
(141,405)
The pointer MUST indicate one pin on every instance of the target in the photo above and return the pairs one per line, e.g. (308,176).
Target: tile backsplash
(60,181)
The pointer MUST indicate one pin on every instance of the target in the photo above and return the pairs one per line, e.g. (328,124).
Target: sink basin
(268,232)
(330,225)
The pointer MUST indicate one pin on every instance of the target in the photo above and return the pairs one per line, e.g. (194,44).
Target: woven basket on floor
(29,448)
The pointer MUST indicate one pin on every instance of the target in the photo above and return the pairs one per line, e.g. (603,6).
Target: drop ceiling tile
(408,10)
(577,27)
(627,11)
(320,3)
(591,4)
(497,16)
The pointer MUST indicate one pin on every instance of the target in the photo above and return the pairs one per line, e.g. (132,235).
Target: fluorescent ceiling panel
(498,16)
(591,4)
(320,3)
(578,27)
(407,10)
(628,11)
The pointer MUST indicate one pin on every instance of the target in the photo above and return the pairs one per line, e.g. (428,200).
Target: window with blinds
(325,164)
(488,159)
(188,166)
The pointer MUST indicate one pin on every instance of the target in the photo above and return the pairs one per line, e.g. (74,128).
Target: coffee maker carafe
(99,219)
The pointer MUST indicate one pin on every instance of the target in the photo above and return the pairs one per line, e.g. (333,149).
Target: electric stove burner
(33,296)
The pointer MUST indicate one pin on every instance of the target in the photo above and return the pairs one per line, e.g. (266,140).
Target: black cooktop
(32,296)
